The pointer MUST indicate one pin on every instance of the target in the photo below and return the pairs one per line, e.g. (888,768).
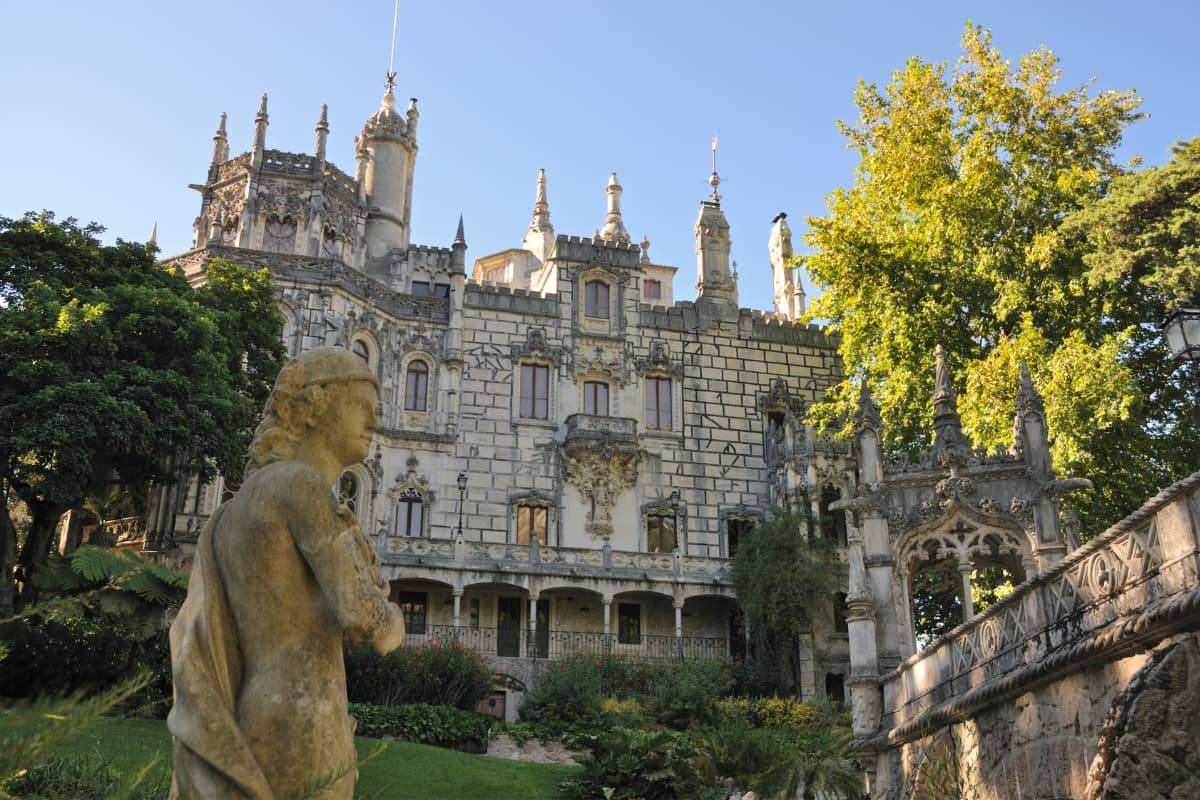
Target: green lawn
(403,770)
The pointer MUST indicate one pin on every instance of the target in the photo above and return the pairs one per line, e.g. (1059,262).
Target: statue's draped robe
(256,651)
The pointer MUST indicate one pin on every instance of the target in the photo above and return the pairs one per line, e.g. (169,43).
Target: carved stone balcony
(591,430)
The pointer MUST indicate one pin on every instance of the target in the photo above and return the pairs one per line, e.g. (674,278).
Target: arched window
(595,398)
(595,295)
(833,523)
(348,490)
(279,235)
(416,386)
(360,349)
(229,232)
(840,625)
(410,516)
(331,246)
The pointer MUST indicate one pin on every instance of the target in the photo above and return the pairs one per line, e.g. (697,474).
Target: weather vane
(390,83)
(714,180)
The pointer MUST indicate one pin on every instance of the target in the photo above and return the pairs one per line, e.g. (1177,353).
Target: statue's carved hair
(300,396)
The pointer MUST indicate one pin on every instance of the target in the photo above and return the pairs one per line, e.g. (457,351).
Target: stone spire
(541,206)
(153,240)
(539,239)
(614,226)
(458,249)
(789,303)
(950,445)
(322,132)
(220,152)
(261,120)
(716,288)
(1030,435)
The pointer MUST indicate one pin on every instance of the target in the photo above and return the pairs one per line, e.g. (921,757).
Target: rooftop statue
(281,573)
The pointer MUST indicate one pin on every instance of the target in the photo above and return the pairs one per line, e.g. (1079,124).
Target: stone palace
(567,455)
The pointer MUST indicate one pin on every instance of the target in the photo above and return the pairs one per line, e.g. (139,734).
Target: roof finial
(614,226)
(261,120)
(322,131)
(541,206)
(220,143)
(950,444)
(645,249)
(714,180)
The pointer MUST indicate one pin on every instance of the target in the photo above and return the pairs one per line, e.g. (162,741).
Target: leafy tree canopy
(113,369)
(951,235)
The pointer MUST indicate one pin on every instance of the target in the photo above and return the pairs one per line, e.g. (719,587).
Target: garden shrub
(624,764)
(437,673)
(52,657)
(443,726)
(772,712)
(756,758)
(575,689)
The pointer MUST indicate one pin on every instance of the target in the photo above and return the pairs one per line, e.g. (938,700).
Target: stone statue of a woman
(281,573)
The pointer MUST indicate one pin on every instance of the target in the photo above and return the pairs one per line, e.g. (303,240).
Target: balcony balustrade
(584,430)
(553,643)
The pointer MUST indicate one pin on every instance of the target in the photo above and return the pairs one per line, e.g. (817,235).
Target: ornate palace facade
(567,457)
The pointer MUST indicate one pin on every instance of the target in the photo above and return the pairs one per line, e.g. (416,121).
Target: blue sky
(109,108)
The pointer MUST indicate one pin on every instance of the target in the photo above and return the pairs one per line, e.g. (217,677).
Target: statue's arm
(347,571)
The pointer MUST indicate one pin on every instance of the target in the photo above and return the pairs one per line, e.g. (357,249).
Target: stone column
(968,606)
(678,627)
(458,593)
(864,658)
(606,604)
(533,598)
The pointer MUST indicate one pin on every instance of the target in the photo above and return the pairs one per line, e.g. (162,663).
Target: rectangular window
(415,606)
(735,531)
(653,289)
(531,521)
(535,391)
(420,288)
(596,299)
(441,290)
(409,513)
(660,534)
(658,404)
(473,614)
(629,623)
(595,398)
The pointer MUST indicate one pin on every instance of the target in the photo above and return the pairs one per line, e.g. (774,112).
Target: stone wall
(1074,686)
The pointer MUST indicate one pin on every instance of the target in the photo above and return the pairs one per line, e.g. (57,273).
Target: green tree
(783,576)
(114,370)
(950,235)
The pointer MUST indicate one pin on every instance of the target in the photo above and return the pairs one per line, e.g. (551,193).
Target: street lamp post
(1182,334)
(462,488)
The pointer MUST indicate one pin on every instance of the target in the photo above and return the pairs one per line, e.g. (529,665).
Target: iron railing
(555,643)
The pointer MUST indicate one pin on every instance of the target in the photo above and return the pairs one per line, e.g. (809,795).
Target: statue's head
(329,393)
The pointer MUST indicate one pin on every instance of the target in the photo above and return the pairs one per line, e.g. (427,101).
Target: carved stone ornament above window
(536,346)
(411,483)
(660,360)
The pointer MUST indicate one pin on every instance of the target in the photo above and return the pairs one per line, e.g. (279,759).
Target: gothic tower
(388,155)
